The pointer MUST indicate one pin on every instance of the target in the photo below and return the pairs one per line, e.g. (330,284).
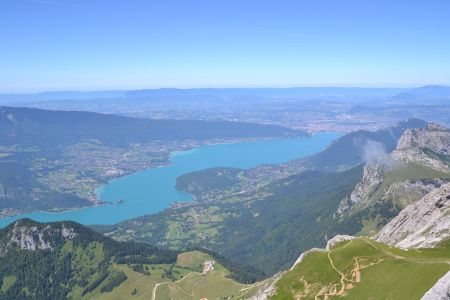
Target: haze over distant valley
(238,150)
(310,109)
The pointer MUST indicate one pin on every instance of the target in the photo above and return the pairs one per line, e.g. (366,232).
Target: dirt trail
(172,283)
(348,279)
(410,259)
(355,274)
(345,283)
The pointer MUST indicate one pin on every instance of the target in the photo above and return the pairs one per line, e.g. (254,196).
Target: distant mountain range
(310,109)
(218,92)
(435,93)
(427,95)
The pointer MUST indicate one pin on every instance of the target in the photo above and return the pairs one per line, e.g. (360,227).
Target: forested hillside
(67,260)
(268,215)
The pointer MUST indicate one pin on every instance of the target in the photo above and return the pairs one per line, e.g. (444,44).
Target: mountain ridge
(66,260)
(37,125)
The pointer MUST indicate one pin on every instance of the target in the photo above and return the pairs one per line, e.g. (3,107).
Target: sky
(130,44)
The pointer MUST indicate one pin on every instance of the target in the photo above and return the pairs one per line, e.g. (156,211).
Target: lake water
(152,190)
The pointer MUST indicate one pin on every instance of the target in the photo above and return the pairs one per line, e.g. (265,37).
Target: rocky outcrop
(267,290)
(372,176)
(425,146)
(440,291)
(337,239)
(31,236)
(302,256)
(416,155)
(433,136)
(424,223)
(413,142)
(404,192)
(409,191)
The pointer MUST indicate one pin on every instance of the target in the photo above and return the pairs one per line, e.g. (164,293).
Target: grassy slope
(190,283)
(365,269)
(412,171)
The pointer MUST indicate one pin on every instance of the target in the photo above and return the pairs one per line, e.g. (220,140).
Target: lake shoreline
(110,199)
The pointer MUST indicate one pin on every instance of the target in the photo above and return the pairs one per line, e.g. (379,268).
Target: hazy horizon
(108,45)
(30,92)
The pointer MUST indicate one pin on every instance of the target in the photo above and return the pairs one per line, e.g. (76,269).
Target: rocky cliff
(434,136)
(424,223)
(428,146)
(29,235)
(440,291)
(372,177)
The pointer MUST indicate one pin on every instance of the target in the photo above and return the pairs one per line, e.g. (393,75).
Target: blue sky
(109,44)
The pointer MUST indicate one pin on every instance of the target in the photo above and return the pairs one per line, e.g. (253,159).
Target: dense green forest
(68,260)
(64,264)
(267,234)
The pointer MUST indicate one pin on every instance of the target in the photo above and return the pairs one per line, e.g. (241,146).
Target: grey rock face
(424,223)
(440,291)
(405,192)
(267,290)
(413,141)
(338,239)
(34,238)
(416,155)
(410,149)
(302,256)
(434,137)
(372,176)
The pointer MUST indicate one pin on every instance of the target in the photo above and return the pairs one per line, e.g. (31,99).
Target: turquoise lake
(152,190)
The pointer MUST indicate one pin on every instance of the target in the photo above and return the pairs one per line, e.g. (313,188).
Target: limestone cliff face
(433,136)
(413,144)
(403,193)
(416,155)
(27,235)
(411,148)
(440,291)
(422,224)
(372,176)
(409,191)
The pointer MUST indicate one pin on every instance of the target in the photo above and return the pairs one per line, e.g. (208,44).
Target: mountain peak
(30,235)
(433,136)
(412,123)
(426,95)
